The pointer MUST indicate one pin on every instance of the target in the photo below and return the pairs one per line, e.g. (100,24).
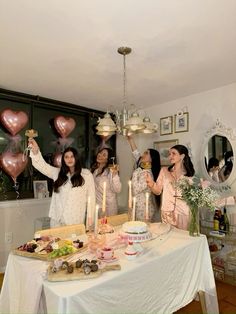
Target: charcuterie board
(78,273)
(45,257)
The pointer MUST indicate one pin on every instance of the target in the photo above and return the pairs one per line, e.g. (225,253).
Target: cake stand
(136,238)
(154,230)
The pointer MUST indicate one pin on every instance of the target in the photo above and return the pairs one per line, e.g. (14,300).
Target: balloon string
(16,187)
(25,154)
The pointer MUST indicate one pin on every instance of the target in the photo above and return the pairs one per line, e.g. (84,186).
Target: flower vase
(194,222)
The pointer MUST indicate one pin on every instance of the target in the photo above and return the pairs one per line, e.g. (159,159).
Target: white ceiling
(67,49)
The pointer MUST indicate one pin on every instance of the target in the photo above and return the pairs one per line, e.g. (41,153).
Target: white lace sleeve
(115,183)
(40,164)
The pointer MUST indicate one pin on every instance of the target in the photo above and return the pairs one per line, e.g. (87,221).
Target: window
(41,113)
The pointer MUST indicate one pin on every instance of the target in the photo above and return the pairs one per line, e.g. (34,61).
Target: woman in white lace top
(72,187)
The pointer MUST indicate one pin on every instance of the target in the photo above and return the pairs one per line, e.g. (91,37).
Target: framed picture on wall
(163,147)
(40,188)
(181,122)
(166,125)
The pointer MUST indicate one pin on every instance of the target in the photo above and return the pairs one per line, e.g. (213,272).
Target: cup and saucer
(106,254)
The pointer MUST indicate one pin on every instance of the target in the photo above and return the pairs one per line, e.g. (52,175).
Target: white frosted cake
(135,227)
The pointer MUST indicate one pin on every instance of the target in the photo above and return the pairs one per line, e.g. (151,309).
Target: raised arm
(114,180)
(156,187)
(135,151)
(39,163)
(131,142)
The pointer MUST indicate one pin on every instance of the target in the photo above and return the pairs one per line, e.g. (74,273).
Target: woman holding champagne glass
(107,180)
(73,186)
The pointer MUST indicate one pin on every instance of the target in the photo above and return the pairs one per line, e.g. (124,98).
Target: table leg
(202,301)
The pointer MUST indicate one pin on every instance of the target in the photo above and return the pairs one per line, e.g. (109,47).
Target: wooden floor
(1,280)
(226,298)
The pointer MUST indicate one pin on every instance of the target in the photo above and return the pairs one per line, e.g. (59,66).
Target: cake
(135,227)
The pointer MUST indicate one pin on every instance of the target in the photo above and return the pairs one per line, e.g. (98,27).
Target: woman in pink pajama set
(174,210)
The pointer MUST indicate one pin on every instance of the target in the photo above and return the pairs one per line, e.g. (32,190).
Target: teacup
(105,253)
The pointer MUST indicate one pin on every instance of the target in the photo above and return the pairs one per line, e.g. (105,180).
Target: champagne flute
(112,165)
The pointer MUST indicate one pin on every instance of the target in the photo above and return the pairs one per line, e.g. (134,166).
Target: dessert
(105,228)
(135,231)
(135,227)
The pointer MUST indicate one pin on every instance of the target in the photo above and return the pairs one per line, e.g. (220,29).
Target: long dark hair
(76,179)
(95,164)
(186,161)
(156,162)
(213,162)
(228,163)
(156,168)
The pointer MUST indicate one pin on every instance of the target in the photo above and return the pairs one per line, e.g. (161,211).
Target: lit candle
(146,207)
(89,213)
(104,197)
(96,220)
(130,194)
(133,211)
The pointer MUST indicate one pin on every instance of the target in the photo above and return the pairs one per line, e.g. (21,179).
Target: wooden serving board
(45,257)
(78,273)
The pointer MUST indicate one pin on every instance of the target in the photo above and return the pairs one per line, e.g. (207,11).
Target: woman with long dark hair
(103,170)
(174,210)
(148,162)
(72,187)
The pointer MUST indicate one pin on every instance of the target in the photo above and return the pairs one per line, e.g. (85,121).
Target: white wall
(19,218)
(204,108)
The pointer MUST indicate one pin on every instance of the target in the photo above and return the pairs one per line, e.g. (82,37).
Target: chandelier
(127,121)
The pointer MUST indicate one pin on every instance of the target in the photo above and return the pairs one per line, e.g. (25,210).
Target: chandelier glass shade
(126,121)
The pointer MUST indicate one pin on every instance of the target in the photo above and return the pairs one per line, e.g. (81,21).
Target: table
(166,277)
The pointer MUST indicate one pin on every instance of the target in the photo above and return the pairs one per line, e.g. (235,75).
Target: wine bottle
(226,221)
(216,220)
(221,223)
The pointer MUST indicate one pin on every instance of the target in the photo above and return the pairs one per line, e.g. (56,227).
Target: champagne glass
(112,165)
(30,134)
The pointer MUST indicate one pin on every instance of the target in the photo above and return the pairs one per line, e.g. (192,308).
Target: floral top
(113,187)
(139,189)
(70,204)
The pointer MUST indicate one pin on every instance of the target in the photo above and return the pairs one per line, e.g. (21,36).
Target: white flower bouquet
(197,194)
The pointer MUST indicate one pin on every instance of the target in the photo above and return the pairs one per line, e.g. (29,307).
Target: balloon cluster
(11,160)
(64,126)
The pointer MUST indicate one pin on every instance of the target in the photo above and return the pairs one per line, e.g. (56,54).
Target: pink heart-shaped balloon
(57,160)
(13,121)
(64,125)
(13,163)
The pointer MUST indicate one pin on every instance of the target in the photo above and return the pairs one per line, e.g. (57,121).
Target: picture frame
(181,123)
(166,125)
(163,147)
(40,188)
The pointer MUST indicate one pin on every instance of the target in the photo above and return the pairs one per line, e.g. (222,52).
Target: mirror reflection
(219,158)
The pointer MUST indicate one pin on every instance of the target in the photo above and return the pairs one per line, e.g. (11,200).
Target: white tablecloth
(166,277)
